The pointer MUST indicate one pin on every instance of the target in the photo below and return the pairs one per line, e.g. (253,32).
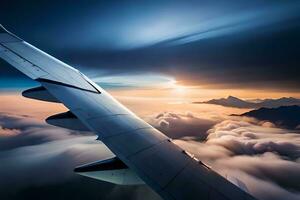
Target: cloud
(34,155)
(242,137)
(8,132)
(265,158)
(17,131)
(178,125)
(37,148)
(246,151)
(263,189)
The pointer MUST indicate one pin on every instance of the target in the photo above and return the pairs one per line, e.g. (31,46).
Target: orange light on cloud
(14,103)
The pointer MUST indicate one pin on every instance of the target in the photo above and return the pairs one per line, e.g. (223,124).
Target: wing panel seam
(149,147)
(65,84)
(126,132)
(178,173)
(8,49)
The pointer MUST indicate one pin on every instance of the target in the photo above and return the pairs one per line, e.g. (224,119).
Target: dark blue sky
(215,44)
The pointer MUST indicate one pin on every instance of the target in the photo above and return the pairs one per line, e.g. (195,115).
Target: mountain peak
(283,116)
(232,97)
(232,101)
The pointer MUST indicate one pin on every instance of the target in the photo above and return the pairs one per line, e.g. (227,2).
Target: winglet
(6,36)
(2,29)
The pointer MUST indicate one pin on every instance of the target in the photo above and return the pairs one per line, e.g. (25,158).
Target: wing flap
(111,170)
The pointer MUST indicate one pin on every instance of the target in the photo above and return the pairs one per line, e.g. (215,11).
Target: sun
(179,89)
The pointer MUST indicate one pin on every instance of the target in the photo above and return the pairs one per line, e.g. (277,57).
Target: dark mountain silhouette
(284,116)
(231,101)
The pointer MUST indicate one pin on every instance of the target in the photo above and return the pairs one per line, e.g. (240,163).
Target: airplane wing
(172,172)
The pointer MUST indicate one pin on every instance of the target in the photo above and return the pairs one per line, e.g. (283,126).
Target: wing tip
(5,38)
(2,29)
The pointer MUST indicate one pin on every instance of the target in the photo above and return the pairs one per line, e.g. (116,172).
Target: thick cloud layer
(35,157)
(31,149)
(255,155)
(266,159)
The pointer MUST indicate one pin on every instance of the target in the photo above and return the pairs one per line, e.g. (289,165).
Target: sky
(155,57)
(219,48)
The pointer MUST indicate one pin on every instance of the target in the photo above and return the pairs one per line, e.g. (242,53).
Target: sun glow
(180,90)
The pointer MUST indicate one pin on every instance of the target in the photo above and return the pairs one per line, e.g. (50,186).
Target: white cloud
(264,158)
(178,125)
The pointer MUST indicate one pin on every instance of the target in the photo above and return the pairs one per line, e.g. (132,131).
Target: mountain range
(284,116)
(232,101)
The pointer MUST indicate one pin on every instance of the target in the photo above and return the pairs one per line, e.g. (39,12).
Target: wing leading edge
(166,168)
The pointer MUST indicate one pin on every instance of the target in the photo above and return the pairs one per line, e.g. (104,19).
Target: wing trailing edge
(112,170)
